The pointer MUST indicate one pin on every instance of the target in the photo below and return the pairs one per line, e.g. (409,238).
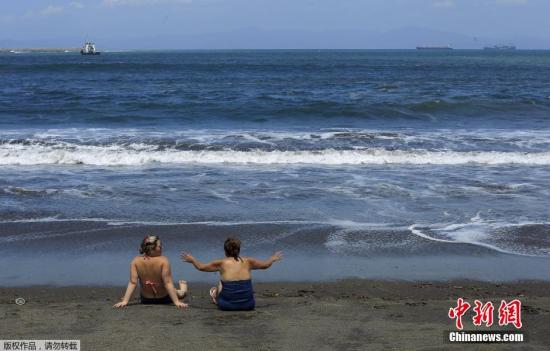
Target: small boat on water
(89,49)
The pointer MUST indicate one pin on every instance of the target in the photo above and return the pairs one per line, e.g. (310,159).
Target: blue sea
(355,163)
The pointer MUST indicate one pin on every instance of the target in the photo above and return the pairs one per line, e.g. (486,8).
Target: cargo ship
(434,47)
(500,47)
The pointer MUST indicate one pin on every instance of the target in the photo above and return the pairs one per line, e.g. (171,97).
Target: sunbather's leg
(182,290)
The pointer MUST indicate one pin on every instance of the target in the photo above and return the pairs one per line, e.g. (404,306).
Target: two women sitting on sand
(233,293)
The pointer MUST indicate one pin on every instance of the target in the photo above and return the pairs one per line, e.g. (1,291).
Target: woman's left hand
(181,305)
(186,257)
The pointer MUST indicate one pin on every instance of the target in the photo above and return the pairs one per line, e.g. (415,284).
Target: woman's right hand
(180,304)
(120,304)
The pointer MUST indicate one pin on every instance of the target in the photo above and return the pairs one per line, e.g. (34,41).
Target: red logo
(508,313)
(458,312)
(483,313)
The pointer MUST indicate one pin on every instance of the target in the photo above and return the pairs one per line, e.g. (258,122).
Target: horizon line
(77,49)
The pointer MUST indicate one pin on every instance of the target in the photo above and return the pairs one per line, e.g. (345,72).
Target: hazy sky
(156,23)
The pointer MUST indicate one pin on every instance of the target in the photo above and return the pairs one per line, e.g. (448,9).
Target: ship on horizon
(500,47)
(434,47)
(89,49)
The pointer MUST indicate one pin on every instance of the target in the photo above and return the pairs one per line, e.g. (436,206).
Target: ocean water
(356,154)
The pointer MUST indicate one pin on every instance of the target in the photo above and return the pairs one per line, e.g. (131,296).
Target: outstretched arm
(213,266)
(169,284)
(131,286)
(258,264)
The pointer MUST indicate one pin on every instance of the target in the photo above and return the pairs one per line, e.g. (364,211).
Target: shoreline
(91,253)
(351,314)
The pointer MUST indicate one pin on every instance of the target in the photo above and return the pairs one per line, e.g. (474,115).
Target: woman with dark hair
(234,292)
(153,272)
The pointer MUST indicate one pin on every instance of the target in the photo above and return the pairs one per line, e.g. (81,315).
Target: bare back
(150,269)
(231,269)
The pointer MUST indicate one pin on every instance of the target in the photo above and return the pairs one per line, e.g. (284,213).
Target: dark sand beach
(340,315)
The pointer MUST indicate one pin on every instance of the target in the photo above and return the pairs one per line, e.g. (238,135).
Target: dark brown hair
(232,247)
(148,244)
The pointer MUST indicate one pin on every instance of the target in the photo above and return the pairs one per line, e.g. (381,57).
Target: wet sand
(98,253)
(343,315)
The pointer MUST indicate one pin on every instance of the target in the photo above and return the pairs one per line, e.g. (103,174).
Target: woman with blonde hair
(155,277)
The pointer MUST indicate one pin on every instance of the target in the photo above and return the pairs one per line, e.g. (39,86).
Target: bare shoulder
(223,261)
(136,259)
(248,260)
(163,261)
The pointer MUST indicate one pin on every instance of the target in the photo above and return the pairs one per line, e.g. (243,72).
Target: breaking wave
(142,154)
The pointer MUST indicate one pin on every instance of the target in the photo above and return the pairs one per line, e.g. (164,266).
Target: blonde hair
(148,244)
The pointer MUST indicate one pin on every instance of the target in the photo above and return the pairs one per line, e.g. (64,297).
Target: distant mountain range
(256,38)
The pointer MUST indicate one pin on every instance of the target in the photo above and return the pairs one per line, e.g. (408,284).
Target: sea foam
(139,154)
